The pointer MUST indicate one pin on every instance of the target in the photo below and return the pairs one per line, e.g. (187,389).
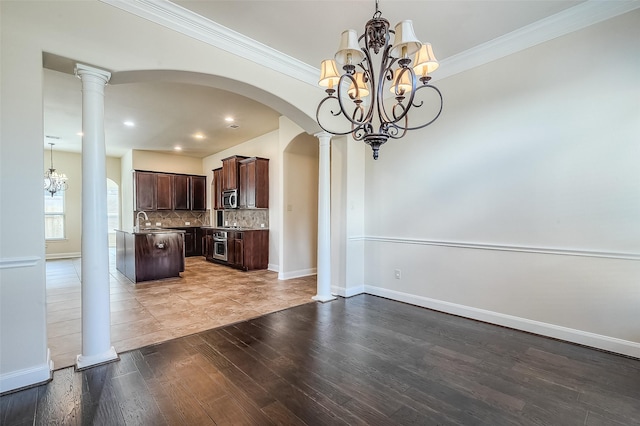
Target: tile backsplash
(250,218)
(176,218)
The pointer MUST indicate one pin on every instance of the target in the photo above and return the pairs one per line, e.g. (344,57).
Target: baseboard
(28,377)
(297,274)
(273,267)
(53,256)
(611,344)
(347,292)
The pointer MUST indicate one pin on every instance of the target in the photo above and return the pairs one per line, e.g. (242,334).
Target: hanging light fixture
(54,181)
(360,97)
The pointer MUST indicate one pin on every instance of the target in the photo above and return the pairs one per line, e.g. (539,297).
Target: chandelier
(359,96)
(54,181)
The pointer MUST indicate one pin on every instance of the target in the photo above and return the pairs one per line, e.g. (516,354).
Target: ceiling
(169,115)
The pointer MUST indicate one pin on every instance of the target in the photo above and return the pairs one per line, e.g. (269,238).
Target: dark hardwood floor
(358,361)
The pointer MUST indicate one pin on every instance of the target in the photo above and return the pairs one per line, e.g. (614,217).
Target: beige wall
(169,163)
(70,163)
(300,213)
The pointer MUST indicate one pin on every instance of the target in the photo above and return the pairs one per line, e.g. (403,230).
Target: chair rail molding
(19,262)
(184,21)
(498,247)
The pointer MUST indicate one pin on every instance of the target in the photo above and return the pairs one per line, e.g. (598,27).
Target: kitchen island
(150,254)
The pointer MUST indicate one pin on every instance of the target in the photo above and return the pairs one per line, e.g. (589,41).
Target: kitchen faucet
(138,220)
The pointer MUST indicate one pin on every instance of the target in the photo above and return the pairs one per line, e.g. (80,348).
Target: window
(54,215)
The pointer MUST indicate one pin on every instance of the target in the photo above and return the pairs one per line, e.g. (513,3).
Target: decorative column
(96,315)
(324,220)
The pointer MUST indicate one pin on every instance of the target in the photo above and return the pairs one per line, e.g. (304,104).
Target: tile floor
(206,296)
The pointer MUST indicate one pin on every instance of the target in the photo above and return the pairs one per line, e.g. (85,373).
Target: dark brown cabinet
(198,192)
(217,189)
(230,172)
(192,241)
(248,250)
(254,183)
(164,192)
(145,190)
(181,192)
(207,243)
(168,191)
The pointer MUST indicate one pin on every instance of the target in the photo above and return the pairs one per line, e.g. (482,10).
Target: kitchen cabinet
(145,190)
(254,183)
(198,192)
(192,241)
(230,172)
(217,189)
(169,191)
(164,191)
(248,250)
(207,243)
(150,255)
(181,192)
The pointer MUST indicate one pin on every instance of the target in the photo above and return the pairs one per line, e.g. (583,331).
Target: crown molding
(184,21)
(573,19)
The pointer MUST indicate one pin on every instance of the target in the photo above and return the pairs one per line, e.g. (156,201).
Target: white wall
(494,211)
(70,163)
(83,31)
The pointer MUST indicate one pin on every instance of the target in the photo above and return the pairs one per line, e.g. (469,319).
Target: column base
(324,299)
(83,362)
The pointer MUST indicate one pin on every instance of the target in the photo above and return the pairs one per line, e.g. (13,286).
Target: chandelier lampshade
(54,181)
(358,101)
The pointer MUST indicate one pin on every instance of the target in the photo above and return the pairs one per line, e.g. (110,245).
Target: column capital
(326,136)
(81,70)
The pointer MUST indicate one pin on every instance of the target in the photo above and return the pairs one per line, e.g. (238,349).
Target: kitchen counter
(150,254)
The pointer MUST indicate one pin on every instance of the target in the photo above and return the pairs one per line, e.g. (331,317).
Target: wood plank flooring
(358,361)
(207,295)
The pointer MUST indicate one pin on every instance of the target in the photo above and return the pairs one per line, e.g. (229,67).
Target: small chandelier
(360,93)
(54,181)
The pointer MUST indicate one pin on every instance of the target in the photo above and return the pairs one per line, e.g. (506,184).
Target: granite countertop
(234,228)
(145,231)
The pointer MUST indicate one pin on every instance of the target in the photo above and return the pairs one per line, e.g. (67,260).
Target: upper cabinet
(198,192)
(181,192)
(230,172)
(168,191)
(164,192)
(217,189)
(254,183)
(145,190)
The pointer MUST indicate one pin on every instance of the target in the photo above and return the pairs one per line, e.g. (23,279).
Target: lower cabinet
(192,241)
(248,250)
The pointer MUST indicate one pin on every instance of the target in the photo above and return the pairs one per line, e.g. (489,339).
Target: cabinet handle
(160,245)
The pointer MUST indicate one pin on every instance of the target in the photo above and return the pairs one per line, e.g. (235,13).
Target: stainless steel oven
(220,245)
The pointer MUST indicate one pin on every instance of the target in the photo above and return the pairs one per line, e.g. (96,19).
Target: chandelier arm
(327,98)
(439,110)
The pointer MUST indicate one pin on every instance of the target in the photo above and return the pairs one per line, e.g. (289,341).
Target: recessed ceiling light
(229,119)
(177,148)
(80,134)
(198,136)
(129,123)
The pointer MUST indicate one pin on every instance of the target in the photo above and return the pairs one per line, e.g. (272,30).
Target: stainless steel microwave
(230,199)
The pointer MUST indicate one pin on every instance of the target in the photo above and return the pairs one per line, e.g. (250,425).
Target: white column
(324,220)
(96,315)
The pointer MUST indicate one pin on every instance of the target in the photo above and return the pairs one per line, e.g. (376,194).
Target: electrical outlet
(147,224)
(398,273)
(262,225)
(158,224)
(187,223)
